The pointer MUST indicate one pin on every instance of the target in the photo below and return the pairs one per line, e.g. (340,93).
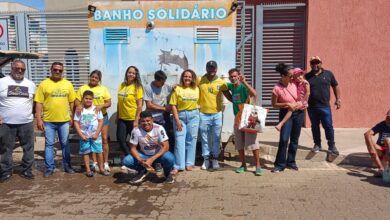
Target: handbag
(251,118)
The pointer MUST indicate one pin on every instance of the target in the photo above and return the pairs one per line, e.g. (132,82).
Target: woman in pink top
(303,92)
(285,97)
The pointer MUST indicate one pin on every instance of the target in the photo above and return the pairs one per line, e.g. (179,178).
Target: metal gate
(280,38)
(59,36)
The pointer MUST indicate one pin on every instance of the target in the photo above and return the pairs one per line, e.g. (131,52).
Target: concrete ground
(343,189)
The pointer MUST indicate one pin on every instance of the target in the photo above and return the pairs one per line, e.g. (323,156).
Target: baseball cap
(298,71)
(315,58)
(211,65)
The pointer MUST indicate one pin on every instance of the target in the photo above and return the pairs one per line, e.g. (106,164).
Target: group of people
(163,137)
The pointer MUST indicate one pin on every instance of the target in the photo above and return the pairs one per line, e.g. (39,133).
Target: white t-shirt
(88,120)
(16,100)
(149,142)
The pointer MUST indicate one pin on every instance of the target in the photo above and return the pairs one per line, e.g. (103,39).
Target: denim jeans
(123,129)
(290,130)
(167,161)
(185,144)
(62,128)
(323,115)
(210,124)
(165,120)
(8,133)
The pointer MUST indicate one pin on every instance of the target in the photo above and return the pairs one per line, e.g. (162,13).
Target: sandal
(89,174)
(189,168)
(174,171)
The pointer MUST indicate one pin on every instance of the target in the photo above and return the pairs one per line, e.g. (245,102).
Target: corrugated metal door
(248,64)
(63,37)
(282,36)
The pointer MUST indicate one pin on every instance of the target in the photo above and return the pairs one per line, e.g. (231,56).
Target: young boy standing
(89,124)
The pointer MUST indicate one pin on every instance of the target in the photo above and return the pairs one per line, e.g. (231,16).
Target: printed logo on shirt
(18,91)
(162,134)
(236,98)
(384,135)
(59,93)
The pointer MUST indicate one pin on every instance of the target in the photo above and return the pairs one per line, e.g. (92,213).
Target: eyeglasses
(19,68)
(58,70)
(314,62)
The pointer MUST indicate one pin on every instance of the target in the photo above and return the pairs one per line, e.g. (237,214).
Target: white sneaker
(206,164)
(95,167)
(126,170)
(106,167)
(214,164)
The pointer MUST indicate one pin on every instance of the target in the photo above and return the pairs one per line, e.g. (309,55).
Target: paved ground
(319,190)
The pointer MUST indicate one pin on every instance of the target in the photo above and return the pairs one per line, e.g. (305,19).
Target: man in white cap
(319,110)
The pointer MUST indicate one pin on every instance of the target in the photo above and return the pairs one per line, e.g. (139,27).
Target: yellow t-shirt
(210,99)
(55,97)
(127,97)
(100,94)
(185,98)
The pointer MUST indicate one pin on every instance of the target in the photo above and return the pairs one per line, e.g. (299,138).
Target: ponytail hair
(283,69)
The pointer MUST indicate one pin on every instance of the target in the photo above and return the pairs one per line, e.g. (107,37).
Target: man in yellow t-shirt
(211,89)
(54,101)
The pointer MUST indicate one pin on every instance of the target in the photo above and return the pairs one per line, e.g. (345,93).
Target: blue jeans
(290,130)
(165,120)
(323,115)
(210,124)
(167,160)
(185,144)
(50,137)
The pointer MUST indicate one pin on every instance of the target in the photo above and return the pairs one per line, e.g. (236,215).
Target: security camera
(150,25)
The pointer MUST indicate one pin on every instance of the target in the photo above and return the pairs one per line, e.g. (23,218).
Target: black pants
(8,134)
(123,129)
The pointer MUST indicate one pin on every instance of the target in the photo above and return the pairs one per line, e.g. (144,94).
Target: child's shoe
(95,167)
(89,174)
(259,171)
(105,173)
(241,169)
(106,167)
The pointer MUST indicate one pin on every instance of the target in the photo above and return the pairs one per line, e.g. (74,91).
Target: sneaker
(140,177)
(170,179)
(293,167)
(241,169)
(206,164)
(27,175)
(89,174)
(277,170)
(214,164)
(69,170)
(5,178)
(334,151)
(259,171)
(106,167)
(48,173)
(316,148)
(126,170)
(105,173)
(95,167)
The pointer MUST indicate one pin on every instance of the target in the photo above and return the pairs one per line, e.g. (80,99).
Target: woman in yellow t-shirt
(185,109)
(130,94)
(102,101)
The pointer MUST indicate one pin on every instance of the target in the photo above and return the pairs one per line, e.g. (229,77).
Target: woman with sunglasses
(284,96)
(102,101)
(130,93)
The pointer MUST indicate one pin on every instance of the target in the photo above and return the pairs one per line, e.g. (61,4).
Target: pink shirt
(301,90)
(286,94)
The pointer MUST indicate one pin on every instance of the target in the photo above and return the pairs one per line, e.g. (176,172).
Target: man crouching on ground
(379,151)
(153,150)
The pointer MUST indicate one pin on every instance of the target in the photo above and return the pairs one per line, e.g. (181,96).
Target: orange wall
(353,39)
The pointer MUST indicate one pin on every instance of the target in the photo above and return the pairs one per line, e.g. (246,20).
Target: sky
(37,4)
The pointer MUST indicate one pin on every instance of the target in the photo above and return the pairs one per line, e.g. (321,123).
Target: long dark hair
(137,80)
(193,81)
(283,69)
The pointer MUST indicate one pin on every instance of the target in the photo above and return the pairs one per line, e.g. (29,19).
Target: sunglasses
(18,68)
(58,70)
(314,62)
